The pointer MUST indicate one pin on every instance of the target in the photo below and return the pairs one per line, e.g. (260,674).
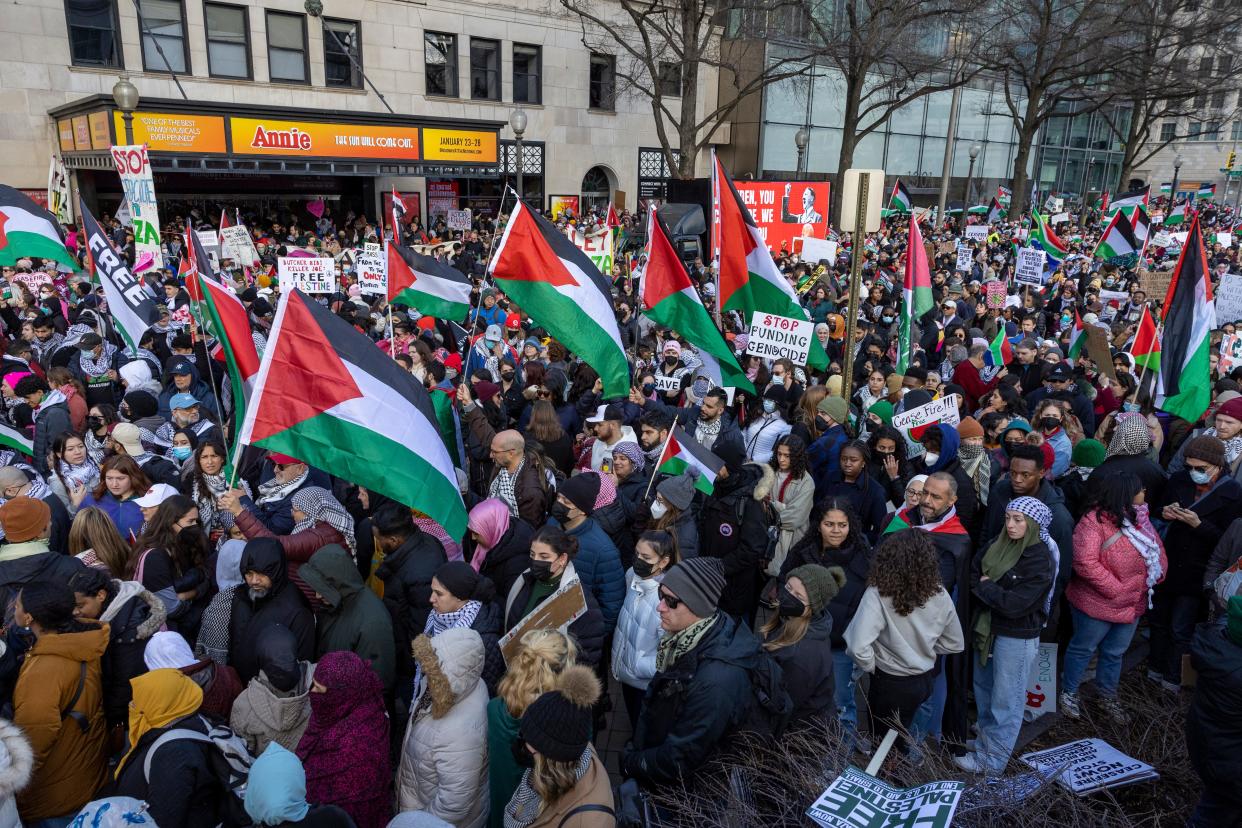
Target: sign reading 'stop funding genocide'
(777,337)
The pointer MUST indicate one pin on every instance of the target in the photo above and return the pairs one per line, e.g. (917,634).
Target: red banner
(787,210)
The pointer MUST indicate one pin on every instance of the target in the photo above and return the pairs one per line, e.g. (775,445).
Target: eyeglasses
(670,601)
(1197,468)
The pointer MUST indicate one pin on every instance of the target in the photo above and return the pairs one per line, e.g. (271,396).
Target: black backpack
(773,707)
(771,525)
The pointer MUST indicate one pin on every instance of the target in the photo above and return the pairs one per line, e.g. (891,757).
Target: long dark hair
(856,539)
(58,453)
(797,455)
(1113,497)
(51,605)
(161,533)
(899,443)
(195,474)
(1014,403)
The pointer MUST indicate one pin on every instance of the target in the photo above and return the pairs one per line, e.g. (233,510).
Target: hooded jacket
(406,572)
(51,420)
(262,715)
(16,763)
(69,763)
(587,630)
(599,567)
(738,543)
(16,572)
(283,604)
(138,377)
(354,618)
(133,616)
(1214,720)
(638,632)
(200,389)
(443,768)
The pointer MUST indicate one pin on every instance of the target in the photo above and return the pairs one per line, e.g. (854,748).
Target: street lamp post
(1177,171)
(1086,188)
(125,94)
(517,120)
(973,152)
(802,138)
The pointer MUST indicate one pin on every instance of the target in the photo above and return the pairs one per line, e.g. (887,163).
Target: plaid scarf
(320,506)
(86,474)
(97,367)
(978,466)
(42,349)
(526,805)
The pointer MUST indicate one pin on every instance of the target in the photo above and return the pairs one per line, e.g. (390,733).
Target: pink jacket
(1110,584)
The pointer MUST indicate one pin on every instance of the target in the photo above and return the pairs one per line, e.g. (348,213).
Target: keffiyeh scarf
(1233,446)
(1143,536)
(1130,437)
(503,487)
(215,485)
(1037,511)
(526,805)
(93,367)
(273,490)
(42,350)
(85,474)
(464,617)
(978,466)
(319,505)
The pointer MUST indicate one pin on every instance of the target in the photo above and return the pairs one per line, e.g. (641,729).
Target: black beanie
(462,582)
(581,490)
(732,452)
(558,723)
(141,404)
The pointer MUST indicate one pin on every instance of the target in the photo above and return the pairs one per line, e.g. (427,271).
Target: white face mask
(931,458)
(658,509)
(769,406)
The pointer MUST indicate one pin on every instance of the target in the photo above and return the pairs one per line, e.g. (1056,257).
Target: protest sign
(1114,296)
(776,337)
(309,274)
(1030,269)
(943,410)
(978,232)
(1224,239)
(33,280)
(1155,283)
(1090,765)
(1230,353)
(372,275)
(373,249)
(1099,349)
(211,245)
(458,219)
(667,384)
(786,210)
(599,247)
(816,250)
(995,295)
(133,165)
(1228,298)
(965,259)
(859,800)
(1041,684)
(557,612)
(1162,239)
(236,244)
(1059,218)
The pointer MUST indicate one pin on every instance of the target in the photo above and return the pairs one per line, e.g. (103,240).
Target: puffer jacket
(133,616)
(1214,720)
(638,632)
(443,769)
(15,772)
(598,565)
(1110,576)
(261,717)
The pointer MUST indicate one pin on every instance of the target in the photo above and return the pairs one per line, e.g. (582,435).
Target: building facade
(240,101)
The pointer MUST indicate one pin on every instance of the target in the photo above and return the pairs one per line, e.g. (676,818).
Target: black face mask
(649,388)
(94,422)
(670,360)
(790,606)
(507,376)
(1049,423)
(1009,446)
(523,757)
(642,568)
(542,570)
(822,424)
(561,512)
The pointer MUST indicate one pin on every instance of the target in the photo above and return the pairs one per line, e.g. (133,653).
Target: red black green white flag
(1185,388)
(327,396)
(229,322)
(426,284)
(1077,340)
(900,201)
(683,453)
(29,231)
(1145,350)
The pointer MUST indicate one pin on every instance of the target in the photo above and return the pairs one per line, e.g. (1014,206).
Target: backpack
(773,707)
(230,764)
(771,524)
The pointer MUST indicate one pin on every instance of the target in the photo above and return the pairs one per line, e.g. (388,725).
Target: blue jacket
(200,389)
(127,516)
(599,568)
(825,456)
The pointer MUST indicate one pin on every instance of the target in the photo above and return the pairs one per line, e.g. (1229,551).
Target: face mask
(888,320)
(643,569)
(1129,406)
(523,757)
(189,535)
(769,406)
(560,512)
(649,388)
(507,376)
(790,606)
(1201,478)
(542,570)
(931,458)
(1049,423)
(670,360)
(94,422)
(347,269)
(182,452)
(822,424)
(492,343)
(450,374)
(658,510)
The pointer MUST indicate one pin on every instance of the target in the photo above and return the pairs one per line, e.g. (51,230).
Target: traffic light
(1229,162)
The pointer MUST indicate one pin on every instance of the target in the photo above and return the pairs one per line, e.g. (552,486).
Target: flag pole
(659,457)
(392,335)
(211,375)
(491,246)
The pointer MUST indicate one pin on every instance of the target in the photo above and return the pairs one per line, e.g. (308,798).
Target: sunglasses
(1197,468)
(670,601)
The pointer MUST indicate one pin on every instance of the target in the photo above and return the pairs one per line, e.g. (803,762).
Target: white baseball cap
(157,494)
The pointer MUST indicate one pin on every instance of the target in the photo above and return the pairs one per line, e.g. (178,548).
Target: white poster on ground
(858,800)
(309,274)
(1090,765)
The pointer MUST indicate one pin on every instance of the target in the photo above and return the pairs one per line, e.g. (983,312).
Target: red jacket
(967,376)
(1110,584)
(298,547)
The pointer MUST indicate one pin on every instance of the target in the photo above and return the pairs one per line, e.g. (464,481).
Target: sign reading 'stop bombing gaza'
(777,337)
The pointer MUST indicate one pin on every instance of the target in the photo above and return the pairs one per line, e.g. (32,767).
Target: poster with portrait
(787,211)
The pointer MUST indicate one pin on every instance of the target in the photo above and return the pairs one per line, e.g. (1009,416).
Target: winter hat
(1233,626)
(462,582)
(678,490)
(1088,453)
(893,384)
(698,582)
(732,452)
(558,723)
(581,490)
(486,390)
(882,409)
(1232,408)
(969,427)
(776,393)
(672,345)
(141,404)
(1049,453)
(821,584)
(1018,424)
(24,518)
(836,408)
(1206,448)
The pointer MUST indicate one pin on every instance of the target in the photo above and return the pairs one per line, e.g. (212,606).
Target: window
(603,82)
(1223,64)
(440,63)
(1168,131)
(342,53)
(1211,131)
(670,79)
(527,71)
(286,47)
(163,36)
(1235,131)
(1205,67)
(1193,129)
(484,69)
(94,33)
(1218,101)
(228,40)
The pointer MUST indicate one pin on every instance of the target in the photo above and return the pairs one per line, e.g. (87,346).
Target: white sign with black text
(777,337)
(943,410)
(458,219)
(978,232)
(372,275)
(965,259)
(1030,269)
(308,274)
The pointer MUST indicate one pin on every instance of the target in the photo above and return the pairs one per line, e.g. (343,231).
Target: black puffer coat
(807,668)
(739,544)
(1214,721)
(283,604)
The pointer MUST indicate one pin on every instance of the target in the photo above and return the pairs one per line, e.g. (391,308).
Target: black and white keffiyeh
(526,805)
(319,505)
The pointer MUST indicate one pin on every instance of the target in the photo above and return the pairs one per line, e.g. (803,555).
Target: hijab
(276,788)
(490,521)
(161,697)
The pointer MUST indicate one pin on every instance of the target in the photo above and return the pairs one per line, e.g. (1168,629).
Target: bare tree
(1167,70)
(1048,54)
(667,49)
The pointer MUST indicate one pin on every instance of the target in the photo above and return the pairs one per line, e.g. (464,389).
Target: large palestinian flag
(1134,198)
(27,230)
(16,439)
(683,453)
(673,303)
(749,280)
(327,396)
(427,284)
(916,295)
(230,324)
(1118,241)
(563,292)
(1189,310)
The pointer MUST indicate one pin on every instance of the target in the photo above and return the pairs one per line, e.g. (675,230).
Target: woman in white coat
(792,495)
(443,770)
(638,631)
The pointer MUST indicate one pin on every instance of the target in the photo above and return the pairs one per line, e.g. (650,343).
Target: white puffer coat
(638,631)
(443,770)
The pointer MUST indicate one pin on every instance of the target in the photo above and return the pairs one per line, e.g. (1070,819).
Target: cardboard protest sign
(943,410)
(1229,298)
(557,612)
(1090,765)
(1098,348)
(777,337)
(308,274)
(1155,282)
(859,800)
(1030,269)
(1041,684)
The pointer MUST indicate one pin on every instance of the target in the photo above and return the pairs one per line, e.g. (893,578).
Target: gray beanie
(678,491)
(698,582)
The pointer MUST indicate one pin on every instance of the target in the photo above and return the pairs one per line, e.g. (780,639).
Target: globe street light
(125,94)
(517,122)
(973,152)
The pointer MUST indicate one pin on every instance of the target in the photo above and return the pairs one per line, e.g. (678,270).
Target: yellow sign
(101,137)
(174,132)
(313,139)
(64,128)
(465,146)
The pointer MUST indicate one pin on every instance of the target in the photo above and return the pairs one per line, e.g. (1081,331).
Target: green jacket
(354,619)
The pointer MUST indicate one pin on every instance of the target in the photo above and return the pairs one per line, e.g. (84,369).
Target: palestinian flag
(1118,241)
(995,212)
(1042,237)
(563,292)
(1145,350)
(899,201)
(426,284)
(1207,191)
(1189,316)
(673,303)
(16,439)
(398,211)
(916,295)
(900,522)
(999,352)
(450,426)
(748,279)
(1078,339)
(1101,203)
(1134,198)
(1004,195)
(229,322)
(949,524)
(1165,188)
(327,396)
(1175,216)
(27,230)
(1140,222)
(683,453)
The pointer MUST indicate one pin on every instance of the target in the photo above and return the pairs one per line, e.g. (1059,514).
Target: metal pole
(947,170)
(128,118)
(1173,187)
(521,193)
(801,155)
(856,257)
(1237,197)
(970,179)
